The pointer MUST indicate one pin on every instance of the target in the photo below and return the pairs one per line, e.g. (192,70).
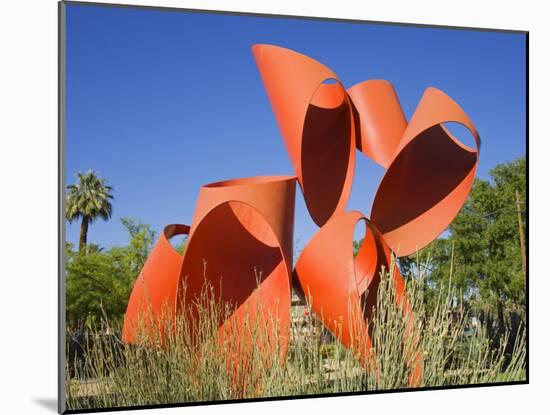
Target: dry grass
(204,367)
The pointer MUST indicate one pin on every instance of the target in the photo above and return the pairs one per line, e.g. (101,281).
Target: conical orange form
(316,122)
(272,196)
(150,309)
(381,120)
(429,178)
(342,290)
(241,246)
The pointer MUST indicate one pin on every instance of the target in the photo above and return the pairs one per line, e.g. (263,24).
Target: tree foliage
(483,244)
(100,281)
(88,199)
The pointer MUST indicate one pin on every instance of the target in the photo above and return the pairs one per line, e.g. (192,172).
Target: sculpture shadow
(326,146)
(427,170)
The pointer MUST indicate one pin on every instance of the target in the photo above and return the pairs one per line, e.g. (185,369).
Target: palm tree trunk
(83,234)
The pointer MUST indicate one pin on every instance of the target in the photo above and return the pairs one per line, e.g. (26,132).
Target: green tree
(88,199)
(141,243)
(101,281)
(483,245)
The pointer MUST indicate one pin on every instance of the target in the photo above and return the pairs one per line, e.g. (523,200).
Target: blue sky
(161,102)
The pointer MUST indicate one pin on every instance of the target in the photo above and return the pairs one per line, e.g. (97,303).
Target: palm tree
(88,199)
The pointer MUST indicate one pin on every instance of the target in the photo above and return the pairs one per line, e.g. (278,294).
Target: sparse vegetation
(114,374)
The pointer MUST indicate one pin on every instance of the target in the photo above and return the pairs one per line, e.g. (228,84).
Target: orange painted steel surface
(152,301)
(316,122)
(241,238)
(250,267)
(380,117)
(333,281)
(272,196)
(429,178)
(343,290)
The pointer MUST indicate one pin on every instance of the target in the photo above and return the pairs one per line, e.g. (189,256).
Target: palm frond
(89,197)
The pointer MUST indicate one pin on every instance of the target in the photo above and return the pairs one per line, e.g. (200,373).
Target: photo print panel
(258,207)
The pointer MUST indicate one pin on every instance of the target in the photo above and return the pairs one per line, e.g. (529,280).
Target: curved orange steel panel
(247,274)
(272,196)
(256,215)
(239,247)
(316,122)
(253,261)
(342,290)
(153,298)
(429,179)
(248,268)
(381,119)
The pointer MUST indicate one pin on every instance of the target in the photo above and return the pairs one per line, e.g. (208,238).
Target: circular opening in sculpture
(176,235)
(461,135)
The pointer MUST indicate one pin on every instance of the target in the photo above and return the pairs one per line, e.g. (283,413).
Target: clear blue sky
(161,102)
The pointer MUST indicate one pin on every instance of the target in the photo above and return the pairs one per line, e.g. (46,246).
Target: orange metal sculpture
(340,287)
(316,122)
(343,290)
(151,305)
(240,240)
(429,177)
(250,268)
